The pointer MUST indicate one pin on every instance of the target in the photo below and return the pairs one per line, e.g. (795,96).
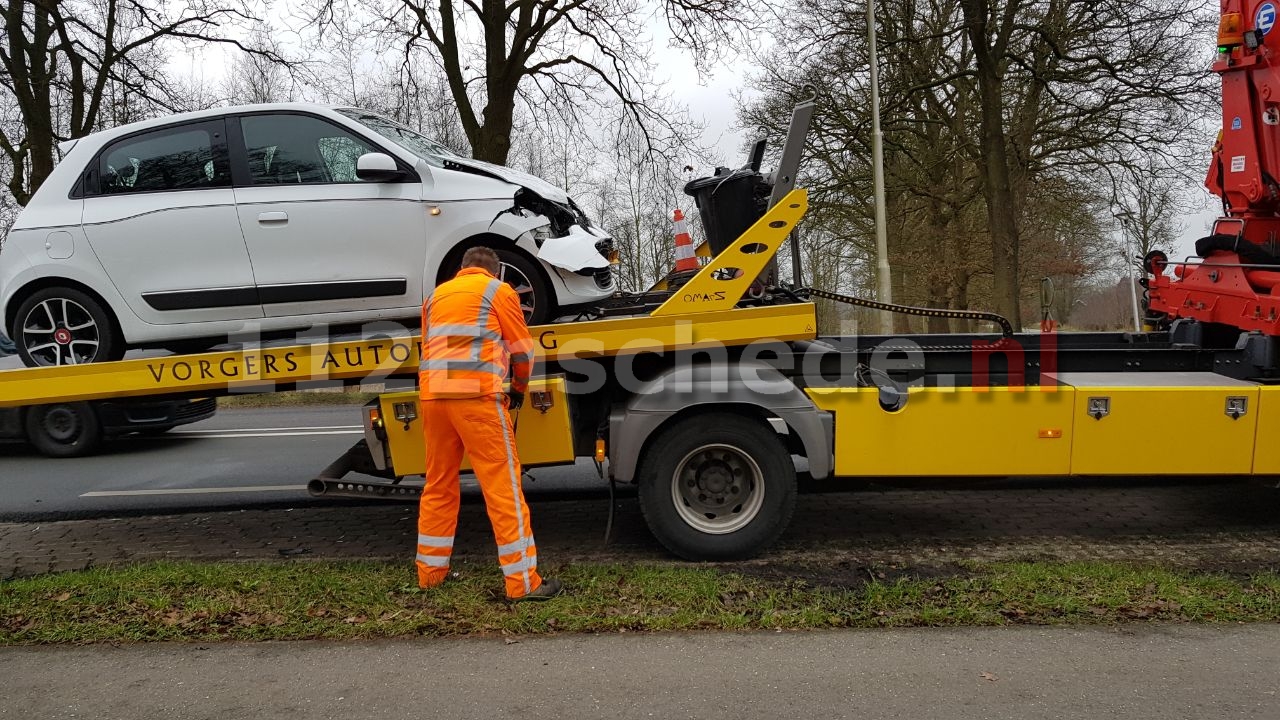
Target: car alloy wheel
(61,331)
(516,278)
(65,326)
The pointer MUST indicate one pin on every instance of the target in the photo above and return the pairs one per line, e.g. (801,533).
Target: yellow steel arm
(721,283)
(260,370)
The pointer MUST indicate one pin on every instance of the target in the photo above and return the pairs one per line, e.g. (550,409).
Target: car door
(322,240)
(160,214)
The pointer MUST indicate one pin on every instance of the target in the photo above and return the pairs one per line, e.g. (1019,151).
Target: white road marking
(264,429)
(301,431)
(176,435)
(196,491)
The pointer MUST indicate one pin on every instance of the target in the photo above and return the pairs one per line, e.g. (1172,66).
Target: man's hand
(515,399)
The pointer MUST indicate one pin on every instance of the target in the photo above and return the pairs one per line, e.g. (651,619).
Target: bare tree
(987,190)
(1105,306)
(634,193)
(8,207)
(1075,85)
(568,59)
(258,77)
(990,35)
(1148,203)
(68,63)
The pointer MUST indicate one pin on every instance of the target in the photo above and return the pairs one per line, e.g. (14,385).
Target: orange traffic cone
(685,259)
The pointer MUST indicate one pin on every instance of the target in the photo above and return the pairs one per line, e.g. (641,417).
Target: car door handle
(273,218)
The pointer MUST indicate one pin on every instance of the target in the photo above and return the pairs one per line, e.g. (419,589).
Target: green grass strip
(294,399)
(282,601)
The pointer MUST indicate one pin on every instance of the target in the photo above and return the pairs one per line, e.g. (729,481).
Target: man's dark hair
(481,257)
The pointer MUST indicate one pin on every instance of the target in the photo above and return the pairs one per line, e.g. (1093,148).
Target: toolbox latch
(541,400)
(406,412)
(1237,407)
(1099,407)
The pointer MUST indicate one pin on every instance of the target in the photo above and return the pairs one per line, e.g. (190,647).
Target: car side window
(299,149)
(188,157)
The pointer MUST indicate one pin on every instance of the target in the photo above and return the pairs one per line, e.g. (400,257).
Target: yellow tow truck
(705,392)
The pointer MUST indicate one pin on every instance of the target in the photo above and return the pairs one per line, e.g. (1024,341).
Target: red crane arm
(1234,284)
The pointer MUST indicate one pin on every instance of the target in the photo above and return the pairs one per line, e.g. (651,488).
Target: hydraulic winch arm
(1238,282)
(1246,158)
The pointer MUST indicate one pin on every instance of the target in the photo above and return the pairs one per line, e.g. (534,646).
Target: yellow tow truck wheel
(717,486)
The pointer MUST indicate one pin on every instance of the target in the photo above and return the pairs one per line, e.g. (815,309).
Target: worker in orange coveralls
(472,330)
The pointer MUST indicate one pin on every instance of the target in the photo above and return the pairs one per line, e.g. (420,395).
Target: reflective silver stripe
(524,566)
(515,488)
(433,560)
(519,357)
(486,302)
(441,541)
(482,319)
(521,544)
(478,365)
(464,331)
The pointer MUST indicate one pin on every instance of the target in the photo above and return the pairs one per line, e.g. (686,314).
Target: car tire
(717,487)
(64,430)
(65,326)
(529,282)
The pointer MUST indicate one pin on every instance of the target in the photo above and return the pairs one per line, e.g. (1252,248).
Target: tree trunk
(959,299)
(938,299)
(493,140)
(32,81)
(994,165)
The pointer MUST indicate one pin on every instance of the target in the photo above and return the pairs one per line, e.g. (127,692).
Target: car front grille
(603,276)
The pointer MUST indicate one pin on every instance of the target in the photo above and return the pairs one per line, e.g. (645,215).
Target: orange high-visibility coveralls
(472,330)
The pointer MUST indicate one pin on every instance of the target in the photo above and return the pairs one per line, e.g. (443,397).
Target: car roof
(119,130)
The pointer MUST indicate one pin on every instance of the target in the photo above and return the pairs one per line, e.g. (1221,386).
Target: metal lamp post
(1125,217)
(885,291)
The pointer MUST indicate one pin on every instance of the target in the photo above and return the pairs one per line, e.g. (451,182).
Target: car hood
(515,177)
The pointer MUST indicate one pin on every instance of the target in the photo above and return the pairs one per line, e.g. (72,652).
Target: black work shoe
(549,588)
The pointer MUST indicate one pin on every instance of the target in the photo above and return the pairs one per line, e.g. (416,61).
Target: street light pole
(1124,217)
(885,293)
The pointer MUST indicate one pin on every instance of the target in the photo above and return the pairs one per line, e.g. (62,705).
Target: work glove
(515,399)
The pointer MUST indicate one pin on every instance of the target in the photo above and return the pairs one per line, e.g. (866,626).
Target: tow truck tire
(64,430)
(717,487)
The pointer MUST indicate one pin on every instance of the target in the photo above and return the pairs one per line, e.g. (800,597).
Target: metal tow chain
(1006,328)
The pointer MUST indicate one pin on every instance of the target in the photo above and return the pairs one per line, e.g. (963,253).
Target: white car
(182,231)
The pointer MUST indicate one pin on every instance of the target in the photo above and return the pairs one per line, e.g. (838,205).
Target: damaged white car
(183,231)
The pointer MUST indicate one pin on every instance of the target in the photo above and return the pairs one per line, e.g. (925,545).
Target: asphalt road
(1019,673)
(241,458)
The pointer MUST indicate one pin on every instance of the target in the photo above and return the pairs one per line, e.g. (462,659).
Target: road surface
(239,458)
(1020,673)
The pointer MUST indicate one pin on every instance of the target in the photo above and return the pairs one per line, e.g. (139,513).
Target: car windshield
(417,143)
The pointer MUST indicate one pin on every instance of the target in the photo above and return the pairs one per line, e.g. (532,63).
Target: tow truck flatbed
(703,314)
